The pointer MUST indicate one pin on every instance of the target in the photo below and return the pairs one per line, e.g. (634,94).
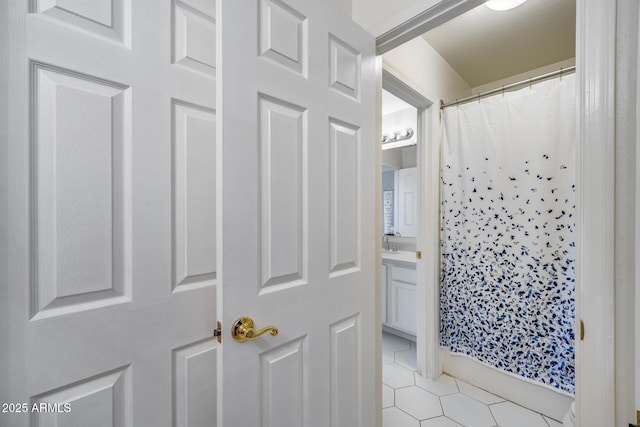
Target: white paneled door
(296,102)
(135,214)
(109,304)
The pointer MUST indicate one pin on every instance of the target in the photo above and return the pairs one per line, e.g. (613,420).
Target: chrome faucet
(385,239)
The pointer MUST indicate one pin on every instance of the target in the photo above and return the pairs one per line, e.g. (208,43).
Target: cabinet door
(408,202)
(402,304)
(383,281)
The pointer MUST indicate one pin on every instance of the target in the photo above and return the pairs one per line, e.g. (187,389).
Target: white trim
(378,243)
(533,395)
(430,233)
(595,356)
(400,16)
(416,19)
(637,236)
(625,209)
(6,25)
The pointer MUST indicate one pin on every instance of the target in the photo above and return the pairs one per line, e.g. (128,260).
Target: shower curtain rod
(529,81)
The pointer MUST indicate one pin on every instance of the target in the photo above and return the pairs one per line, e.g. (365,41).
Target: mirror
(399,198)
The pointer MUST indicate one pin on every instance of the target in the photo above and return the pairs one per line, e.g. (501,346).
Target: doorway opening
(430,364)
(403,270)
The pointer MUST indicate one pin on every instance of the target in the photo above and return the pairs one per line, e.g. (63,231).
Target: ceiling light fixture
(401,138)
(503,4)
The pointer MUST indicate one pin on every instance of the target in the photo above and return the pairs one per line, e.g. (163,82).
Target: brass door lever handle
(242,330)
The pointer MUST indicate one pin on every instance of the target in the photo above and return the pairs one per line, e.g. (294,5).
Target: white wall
(400,158)
(380,16)
(392,158)
(421,67)
(399,120)
(409,157)
(345,6)
(370,12)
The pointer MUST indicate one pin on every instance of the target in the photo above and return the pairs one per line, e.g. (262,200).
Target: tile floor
(408,400)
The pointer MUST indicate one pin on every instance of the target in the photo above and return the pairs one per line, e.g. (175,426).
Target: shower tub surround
(507,236)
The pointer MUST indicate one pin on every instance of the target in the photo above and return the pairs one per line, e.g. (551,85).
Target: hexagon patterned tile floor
(412,401)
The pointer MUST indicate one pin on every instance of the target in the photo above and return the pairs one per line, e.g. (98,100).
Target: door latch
(218,332)
(242,330)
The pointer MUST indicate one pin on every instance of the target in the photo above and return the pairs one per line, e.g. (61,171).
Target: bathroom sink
(405,256)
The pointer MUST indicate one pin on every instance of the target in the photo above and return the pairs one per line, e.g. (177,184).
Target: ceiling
(483,45)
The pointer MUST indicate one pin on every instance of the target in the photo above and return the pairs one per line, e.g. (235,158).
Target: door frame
(595,263)
(595,260)
(427,327)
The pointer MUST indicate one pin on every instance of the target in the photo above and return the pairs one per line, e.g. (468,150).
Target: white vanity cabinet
(384,293)
(399,296)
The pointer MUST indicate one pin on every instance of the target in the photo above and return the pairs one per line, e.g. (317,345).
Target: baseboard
(537,397)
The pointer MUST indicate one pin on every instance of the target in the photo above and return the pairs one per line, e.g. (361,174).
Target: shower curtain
(507,231)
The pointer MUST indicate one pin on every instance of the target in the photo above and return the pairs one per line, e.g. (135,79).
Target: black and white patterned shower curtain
(507,235)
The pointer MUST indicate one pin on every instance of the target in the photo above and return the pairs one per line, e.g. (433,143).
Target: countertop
(399,256)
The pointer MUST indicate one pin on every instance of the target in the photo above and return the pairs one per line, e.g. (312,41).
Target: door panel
(403,296)
(111,296)
(194,32)
(344,162)
(298,171)
(194,195)
(283,35)
(408,202)
(104,396)
(109,19)
(283,129)
(344,68)
(195,384)
(346,402)
(284,383)
(81,184)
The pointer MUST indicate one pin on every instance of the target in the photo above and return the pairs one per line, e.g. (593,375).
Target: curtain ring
(561,73)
